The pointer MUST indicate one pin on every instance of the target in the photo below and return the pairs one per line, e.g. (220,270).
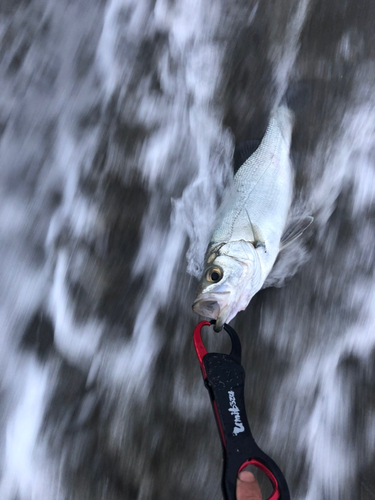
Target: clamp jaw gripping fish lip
(224,378)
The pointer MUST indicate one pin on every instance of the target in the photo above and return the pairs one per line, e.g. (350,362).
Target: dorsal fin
(243,151)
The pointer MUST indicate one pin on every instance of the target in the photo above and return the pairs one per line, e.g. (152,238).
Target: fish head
(230,280)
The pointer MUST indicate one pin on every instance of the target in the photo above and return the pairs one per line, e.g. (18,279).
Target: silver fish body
(251,221)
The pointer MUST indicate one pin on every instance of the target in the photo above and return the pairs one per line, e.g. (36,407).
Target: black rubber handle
(225,381)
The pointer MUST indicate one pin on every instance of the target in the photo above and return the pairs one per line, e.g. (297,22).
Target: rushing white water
(26,466)
(118,122)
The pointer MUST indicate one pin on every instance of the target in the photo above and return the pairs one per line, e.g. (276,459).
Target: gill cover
(240,280)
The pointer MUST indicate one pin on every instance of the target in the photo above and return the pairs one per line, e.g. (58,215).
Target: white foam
(78,343)
(325,436)
(284,49)
(317,381)
(196,70)
(27,469)
(184,121)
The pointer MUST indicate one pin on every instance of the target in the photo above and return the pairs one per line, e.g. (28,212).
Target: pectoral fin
(288,260)
(258,240)
(294,230)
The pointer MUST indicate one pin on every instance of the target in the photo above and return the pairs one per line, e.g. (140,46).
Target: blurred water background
(118,122)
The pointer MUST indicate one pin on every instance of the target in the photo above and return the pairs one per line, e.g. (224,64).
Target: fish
(248,231)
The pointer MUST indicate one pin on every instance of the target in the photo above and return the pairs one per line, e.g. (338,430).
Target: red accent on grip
(199,346)
(201,352)
(276,492)
(221,430)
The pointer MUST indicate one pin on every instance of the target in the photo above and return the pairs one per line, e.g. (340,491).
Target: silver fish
(249,227)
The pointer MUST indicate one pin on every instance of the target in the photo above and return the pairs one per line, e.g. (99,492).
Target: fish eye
(214,274)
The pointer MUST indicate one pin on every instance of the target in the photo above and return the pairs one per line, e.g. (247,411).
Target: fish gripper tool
(224,377)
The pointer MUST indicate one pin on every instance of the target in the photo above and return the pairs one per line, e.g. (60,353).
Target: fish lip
(221,319)
(218,326)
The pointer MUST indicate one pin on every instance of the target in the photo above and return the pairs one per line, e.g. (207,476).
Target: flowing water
(118,121)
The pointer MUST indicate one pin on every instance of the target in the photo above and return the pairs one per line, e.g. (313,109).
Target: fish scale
(255,173)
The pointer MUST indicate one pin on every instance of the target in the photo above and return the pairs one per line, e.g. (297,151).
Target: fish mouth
(209,307)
